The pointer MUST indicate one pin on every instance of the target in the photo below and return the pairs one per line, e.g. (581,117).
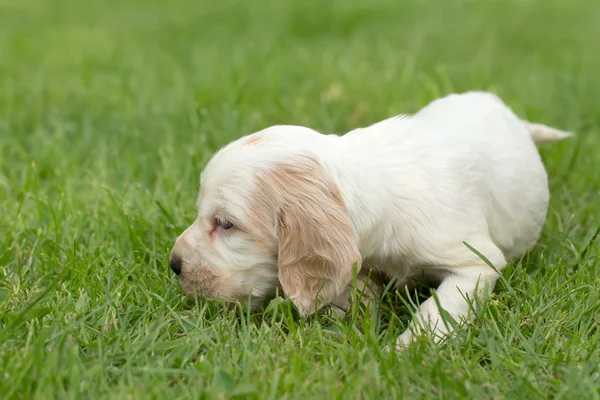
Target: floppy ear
(317,244)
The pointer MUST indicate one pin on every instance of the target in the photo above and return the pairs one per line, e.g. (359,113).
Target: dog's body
(400,197)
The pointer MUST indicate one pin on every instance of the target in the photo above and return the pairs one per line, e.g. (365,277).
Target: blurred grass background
(109,110)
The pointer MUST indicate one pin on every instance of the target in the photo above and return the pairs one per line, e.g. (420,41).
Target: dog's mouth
(197,294)
(253,303)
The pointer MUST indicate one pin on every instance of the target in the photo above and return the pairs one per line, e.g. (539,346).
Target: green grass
(108,112)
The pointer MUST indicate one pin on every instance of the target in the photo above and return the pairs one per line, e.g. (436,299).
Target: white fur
(463,169)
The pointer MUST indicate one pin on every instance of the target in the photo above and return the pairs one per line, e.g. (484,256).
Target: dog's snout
(176,264)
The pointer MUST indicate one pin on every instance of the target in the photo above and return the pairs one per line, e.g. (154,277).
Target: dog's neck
(361,163)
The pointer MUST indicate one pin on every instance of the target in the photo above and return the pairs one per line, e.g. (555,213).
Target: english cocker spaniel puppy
(408,198)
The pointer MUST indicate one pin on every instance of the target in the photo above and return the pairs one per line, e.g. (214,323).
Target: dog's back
(500,155)
(479,170)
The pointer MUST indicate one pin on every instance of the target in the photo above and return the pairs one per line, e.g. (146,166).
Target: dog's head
(269,216)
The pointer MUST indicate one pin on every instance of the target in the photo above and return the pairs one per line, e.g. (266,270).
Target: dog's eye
(225,224)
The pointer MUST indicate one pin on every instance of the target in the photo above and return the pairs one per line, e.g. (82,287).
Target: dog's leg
(455,295)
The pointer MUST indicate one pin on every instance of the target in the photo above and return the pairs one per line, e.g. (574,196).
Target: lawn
(108,112)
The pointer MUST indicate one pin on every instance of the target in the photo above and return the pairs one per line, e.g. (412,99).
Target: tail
(542,133)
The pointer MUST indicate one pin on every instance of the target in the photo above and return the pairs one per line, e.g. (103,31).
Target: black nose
(176,265)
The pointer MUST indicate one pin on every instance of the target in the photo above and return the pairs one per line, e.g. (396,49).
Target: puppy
(289,208)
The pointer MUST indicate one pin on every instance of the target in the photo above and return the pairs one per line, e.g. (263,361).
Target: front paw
(402,343)
(404,340)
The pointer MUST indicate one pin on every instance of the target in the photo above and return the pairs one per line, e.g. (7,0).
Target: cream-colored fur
(289,208)
(311,260)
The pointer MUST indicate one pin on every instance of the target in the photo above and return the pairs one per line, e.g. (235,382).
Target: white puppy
(290,208)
